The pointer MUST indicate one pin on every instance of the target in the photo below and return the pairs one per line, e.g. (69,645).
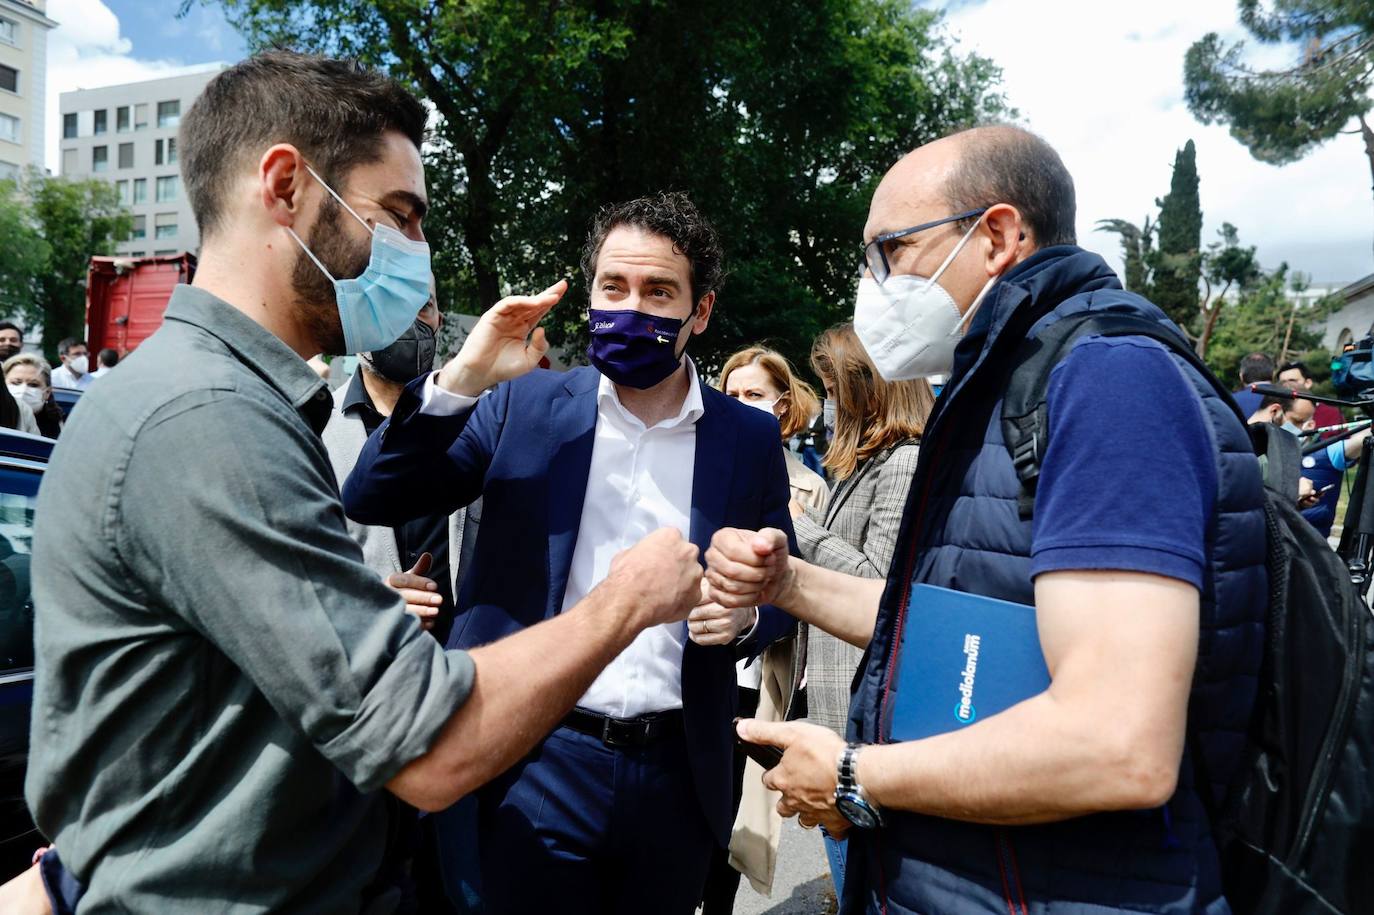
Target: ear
(703,312)
(282,179)
(1006,235)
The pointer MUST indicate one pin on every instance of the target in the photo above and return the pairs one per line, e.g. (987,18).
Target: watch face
(856,811)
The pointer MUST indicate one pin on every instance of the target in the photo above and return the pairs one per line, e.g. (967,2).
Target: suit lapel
(713,473)
(572,432)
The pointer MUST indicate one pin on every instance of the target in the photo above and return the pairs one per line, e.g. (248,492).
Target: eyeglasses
(875,252)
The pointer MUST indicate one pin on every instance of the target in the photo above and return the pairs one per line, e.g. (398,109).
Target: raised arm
(433,452)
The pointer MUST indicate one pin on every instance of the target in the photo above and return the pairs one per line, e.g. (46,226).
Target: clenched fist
(658,580)
(748,568)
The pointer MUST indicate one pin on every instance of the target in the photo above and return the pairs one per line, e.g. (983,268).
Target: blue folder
(964,658)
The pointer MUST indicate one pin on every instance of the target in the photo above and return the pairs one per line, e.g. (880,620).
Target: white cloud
(1103,83)
(87,51)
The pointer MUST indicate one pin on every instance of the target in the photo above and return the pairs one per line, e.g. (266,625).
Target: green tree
(1264,318)
(1137,252)
(778,119)
(1229,265)
(1178,259)
(1281,115)
(26,256)
(76,219)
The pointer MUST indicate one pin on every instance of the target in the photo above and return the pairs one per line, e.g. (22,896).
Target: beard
(316,303)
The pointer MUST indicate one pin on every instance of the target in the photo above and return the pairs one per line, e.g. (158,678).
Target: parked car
(66,399)
(23,459)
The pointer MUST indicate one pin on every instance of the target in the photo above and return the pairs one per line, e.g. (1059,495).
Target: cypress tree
(1178,260)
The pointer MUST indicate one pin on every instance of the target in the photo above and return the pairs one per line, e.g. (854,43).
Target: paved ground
(802,883)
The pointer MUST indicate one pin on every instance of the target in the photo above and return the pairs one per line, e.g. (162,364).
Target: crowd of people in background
(27,403)
(611,566)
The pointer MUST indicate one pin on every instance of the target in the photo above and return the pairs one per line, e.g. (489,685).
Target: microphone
(1269,390)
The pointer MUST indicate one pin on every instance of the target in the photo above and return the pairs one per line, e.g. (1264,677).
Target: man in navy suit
(619,808)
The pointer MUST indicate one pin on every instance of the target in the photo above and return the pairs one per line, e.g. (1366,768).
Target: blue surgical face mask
(381,304)
(1289,427)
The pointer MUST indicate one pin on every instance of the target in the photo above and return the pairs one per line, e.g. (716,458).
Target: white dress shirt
(62,377)
(640,479)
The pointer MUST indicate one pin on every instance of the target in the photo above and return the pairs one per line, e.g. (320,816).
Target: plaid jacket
(856,534)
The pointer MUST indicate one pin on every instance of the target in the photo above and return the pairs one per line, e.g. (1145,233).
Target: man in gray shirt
(222,687)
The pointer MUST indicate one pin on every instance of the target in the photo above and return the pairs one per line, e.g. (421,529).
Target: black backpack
(1295,828)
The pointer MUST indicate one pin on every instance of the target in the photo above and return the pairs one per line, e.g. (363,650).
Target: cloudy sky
(1102,81)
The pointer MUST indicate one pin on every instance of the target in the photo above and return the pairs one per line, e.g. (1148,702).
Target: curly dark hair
(673,216)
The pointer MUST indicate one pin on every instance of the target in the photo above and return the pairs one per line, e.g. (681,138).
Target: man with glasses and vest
(1142,566)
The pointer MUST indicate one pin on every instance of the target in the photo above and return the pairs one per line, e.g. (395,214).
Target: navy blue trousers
(578,827)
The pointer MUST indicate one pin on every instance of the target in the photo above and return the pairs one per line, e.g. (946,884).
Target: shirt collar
(356,397)
(258,348)
(692,405)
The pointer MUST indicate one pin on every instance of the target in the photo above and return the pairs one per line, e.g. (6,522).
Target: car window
(18,493)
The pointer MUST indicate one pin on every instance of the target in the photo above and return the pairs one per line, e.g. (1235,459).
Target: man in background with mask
(1147,540)
(74,370)
(618,809)
(422,559)
(222,687)
(11,339)
(1323,470)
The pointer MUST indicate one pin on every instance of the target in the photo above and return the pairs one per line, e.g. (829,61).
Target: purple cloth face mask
(633,348)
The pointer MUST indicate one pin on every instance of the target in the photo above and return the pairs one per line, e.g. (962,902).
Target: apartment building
(24,28)
(128,136)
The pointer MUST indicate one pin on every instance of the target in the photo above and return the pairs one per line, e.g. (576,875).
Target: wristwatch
(850,798)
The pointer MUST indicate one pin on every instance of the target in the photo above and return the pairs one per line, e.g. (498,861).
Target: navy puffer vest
(962,530)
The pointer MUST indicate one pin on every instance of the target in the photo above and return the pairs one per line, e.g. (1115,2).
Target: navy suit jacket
(526,449)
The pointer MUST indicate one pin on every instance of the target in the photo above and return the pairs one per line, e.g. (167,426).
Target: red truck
(126,298)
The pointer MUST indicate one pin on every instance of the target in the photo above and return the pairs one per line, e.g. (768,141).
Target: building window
(165,151)
(69,126)
(71,162)
(122,189)
(166,190)
(168,114)
(100,158)
(9,171)
(9,31)
(165,225)
(140,229)
(126,155)
(164,252)
(9,128)
(141,116)
(140,190)
(101,122)
(9,79)
(122,119)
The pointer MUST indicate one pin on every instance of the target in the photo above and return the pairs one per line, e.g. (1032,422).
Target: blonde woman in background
(764,379)
(29,379)
(872,457)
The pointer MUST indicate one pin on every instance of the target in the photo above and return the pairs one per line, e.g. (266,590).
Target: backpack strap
(1025,415)
(1280,457)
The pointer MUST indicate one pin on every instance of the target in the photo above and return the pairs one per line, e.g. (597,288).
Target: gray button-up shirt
(222,686)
